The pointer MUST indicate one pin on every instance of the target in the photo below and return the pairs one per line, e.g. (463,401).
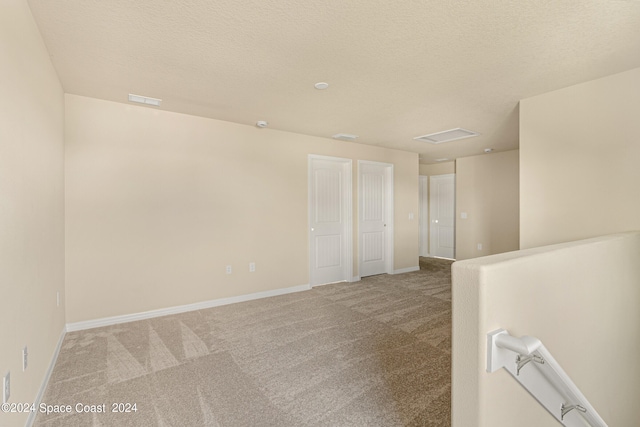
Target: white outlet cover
(228,269)
(6,387)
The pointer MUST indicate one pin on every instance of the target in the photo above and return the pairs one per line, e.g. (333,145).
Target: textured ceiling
(396,69)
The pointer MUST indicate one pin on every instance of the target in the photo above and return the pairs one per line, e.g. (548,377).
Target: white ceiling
(396,69)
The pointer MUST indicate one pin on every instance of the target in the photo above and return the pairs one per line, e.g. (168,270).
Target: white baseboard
(406,270)
(330,283)
(45,381)
(108,321)
(355,279)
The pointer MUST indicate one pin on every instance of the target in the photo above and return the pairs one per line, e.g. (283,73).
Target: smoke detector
(262,124)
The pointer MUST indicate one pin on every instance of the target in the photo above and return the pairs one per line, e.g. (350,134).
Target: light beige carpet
(372,353)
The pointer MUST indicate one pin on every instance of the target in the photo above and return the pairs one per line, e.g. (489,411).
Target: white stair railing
(531,364)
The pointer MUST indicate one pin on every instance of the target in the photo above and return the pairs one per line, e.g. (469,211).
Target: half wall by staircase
(582,299)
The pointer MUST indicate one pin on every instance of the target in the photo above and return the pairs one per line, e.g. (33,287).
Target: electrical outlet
(6,387)
(228,269)
(479,246)
(252,267)
(25,355)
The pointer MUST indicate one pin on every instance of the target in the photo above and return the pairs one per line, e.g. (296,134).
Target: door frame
(347,212)
(431,233)
(389,215)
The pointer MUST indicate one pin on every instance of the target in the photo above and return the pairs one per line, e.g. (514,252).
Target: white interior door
(442,212)
(423,199)
(330,213)
(375,218)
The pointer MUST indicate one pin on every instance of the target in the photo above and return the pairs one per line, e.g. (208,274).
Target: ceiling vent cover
(345,136)
(446,136)
(145,100)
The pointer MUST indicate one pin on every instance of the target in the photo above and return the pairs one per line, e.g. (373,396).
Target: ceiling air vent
(345,136)
(446,136)
(145,100)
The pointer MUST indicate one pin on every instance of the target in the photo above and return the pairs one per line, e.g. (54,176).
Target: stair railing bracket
(521,361)
(564,410)
(544,379)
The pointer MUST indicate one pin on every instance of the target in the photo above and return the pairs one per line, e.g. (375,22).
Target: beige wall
(487,191)
(580,299)
(579,171)
(157,204)
(31,205)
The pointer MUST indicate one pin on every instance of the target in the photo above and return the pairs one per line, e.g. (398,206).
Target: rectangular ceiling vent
(145,100)
(446,136)
(345,136)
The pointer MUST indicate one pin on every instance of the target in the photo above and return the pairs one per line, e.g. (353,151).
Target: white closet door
(329,220)
(375,218)
(442,211)
(424,215)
